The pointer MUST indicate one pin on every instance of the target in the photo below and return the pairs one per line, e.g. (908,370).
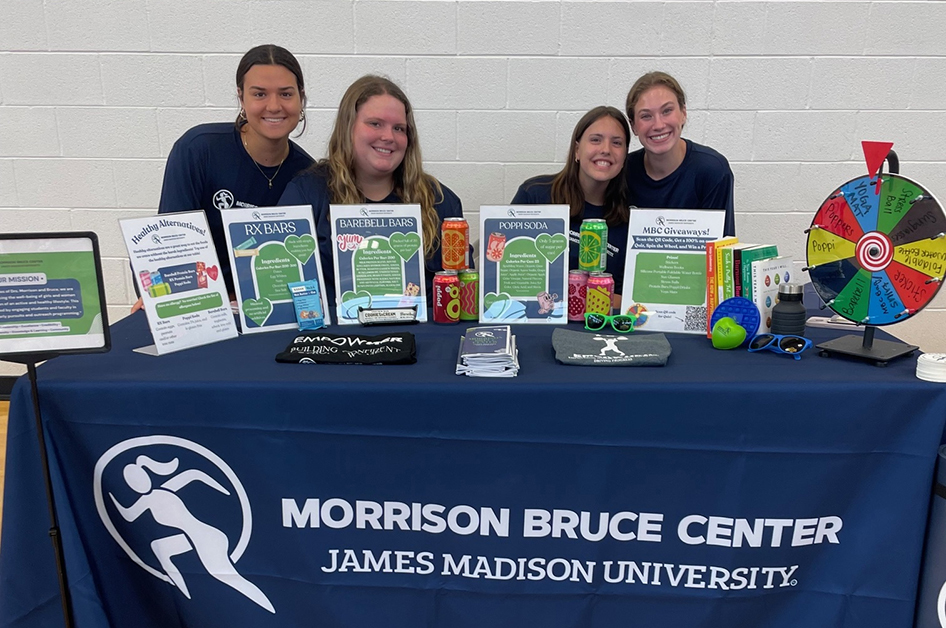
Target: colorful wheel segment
(877,251)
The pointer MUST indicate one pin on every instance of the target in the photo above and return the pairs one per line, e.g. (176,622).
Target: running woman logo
(223,199)
(184,487)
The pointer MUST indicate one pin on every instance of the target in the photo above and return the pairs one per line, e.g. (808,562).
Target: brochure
(379,259)
(665,271)
(523,264)
(271,247)
(488,351)
(178,276)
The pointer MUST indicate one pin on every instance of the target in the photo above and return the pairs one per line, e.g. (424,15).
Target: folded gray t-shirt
(596,349)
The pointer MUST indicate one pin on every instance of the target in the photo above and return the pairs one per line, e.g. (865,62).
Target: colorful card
(379,259)
(523,264)
(665,271)
(271,247)
(178,275)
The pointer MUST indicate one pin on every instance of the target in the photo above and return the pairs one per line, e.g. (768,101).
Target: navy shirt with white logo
(208,168)
(703,181)
(538,191)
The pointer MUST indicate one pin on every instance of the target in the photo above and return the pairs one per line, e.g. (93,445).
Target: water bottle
(789,314)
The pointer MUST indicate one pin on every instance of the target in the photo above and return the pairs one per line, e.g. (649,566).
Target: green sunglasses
(621,323)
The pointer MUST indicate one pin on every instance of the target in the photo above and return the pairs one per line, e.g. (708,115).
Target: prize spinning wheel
(877,253)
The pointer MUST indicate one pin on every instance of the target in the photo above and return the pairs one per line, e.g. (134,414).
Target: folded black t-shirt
(316,347)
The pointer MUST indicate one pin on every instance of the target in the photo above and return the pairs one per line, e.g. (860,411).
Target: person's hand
(137,306)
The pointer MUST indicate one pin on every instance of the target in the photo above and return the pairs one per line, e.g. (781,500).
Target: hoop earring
(241,117)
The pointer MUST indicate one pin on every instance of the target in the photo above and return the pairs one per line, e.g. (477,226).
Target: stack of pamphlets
(488,352)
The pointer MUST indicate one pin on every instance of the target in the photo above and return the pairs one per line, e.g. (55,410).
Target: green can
(593,245)
(469,295)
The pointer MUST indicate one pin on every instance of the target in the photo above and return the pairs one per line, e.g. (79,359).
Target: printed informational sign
(271,247)
(178,276)
(52,298)
(379,259)
(665,271)
(523,264)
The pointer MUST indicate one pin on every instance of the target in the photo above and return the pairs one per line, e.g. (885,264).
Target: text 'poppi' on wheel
(877,249)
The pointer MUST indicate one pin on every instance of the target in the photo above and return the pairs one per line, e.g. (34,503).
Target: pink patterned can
(600,291)
(495,246)
(577,290)
(446,297)
(145,279)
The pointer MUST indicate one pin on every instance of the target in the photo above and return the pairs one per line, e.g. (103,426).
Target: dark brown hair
(566,186)
(271,54)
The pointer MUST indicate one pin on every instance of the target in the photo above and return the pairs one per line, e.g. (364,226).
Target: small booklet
(488,351)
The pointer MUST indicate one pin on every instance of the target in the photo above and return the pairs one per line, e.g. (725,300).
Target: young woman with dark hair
(592,184)
(247,163)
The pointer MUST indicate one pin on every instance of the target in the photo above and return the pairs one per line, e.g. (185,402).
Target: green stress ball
(728,334)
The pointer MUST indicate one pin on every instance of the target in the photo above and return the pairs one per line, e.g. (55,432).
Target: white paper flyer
(178,275)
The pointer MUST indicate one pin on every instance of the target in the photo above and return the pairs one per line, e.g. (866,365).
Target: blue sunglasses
(792,345)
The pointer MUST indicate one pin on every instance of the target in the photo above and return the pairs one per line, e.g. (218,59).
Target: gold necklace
(275,174)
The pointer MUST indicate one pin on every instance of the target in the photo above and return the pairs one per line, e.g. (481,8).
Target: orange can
(455,243)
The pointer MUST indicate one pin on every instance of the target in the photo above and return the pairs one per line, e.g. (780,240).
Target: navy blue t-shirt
(209,169)
(311,188)
(703,181)
(538,191)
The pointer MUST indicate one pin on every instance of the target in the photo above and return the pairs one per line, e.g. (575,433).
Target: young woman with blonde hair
(373,157)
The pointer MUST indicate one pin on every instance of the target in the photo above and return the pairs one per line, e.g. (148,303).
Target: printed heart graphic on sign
(551,246)
(491,297)
(257,310)
(361,294)
(405,245)
(300,247)
(212,272)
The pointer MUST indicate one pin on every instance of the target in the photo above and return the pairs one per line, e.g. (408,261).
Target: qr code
(695,319)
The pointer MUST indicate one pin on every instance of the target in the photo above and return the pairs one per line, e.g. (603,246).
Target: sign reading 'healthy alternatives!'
(178,276)
(271,247)
(379,259)
(524,264)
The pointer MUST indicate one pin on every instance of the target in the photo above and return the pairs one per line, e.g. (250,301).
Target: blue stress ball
(742,311)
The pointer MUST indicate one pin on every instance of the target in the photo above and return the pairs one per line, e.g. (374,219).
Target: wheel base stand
(877,351)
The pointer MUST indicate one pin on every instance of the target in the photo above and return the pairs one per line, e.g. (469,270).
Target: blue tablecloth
(215,487)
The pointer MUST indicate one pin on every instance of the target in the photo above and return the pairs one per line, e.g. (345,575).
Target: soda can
(600,291)
(201,275)
(145,277)
(577,290)
(469,295)
(446,297)
(495,246)
(455,243)
(593,245)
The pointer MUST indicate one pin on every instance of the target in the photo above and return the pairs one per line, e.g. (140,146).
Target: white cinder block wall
(93,95)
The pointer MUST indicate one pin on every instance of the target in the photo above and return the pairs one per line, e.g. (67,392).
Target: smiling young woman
(373,157)
(670,171)
(591,183)
(248,163)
